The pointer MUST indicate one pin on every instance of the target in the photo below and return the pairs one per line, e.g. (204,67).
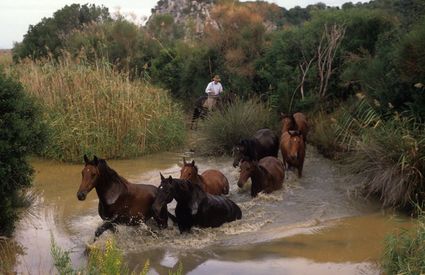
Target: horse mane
(196,194)
(249,144)
(109,173)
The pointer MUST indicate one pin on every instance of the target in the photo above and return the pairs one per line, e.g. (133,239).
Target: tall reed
(93,108)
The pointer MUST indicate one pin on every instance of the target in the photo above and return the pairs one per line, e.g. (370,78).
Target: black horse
(262,144)
(194,206)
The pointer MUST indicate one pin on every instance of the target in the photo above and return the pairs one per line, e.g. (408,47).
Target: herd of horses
(201,198)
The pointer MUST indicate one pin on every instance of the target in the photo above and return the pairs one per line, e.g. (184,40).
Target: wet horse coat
(120,202)
(195,206)
(263,143)
(292,147)
(211,181)
(266,175)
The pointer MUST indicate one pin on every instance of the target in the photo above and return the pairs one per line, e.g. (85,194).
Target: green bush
(405,251)
(224,128)
(21,133)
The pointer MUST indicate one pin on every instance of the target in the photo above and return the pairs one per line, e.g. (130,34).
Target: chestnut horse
(266,175)
(292,147)
(296,121)
(120,202)
(194,205)
(263,143)
(211,181)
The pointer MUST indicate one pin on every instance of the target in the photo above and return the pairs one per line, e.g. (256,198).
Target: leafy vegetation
(95,109)
(107,260)
(224,128)
(22,133)
(405,251)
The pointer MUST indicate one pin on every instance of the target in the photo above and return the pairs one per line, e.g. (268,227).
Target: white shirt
(214,88)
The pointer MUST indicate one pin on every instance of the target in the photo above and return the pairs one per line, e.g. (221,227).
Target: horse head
(90,175)
(164,195)
(296,141)
(247,168)
(189,170)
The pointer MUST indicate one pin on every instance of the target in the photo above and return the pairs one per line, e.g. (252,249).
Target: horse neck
(110,187)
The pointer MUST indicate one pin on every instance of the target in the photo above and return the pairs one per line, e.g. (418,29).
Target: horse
(120,202)
(292,147)
(201,112)
(266,175)
(263,143)
(194,206)
(296,121)
(211,181)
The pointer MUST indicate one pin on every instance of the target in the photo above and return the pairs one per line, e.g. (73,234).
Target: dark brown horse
(292,147)
(262,144)
(194,206)
(120,202)
(296,121)
(211,181)
(266,175)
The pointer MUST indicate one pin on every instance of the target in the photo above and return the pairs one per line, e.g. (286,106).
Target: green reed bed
(405,251)
(93,108)
(224,128)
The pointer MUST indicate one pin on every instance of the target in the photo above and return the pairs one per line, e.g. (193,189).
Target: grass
(405,251)
(107,261)
(386,152)
(8,253)
(224,128)
(94,109)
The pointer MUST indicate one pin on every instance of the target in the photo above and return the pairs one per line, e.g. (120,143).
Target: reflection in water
(309,225)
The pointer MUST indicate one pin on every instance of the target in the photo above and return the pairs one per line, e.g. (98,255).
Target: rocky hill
(195,14)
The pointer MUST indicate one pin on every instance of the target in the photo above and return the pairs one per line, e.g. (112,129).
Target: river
(312,226)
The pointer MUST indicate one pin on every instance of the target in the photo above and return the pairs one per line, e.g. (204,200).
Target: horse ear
(162,177)
(184,160)
(193,162)
(170,178)
(86,159)
(95,160)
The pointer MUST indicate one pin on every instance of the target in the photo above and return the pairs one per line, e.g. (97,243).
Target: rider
(214,89)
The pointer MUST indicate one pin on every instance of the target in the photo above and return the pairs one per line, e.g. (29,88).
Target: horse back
(215,210)
(215,182)
(301,122)
(268,143)
(276,171)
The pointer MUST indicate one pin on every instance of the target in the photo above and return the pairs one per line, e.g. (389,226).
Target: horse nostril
(81,196)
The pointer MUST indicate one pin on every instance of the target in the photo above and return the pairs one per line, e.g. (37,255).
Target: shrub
(21,133)
(405,252)
(224,128)
(96,109)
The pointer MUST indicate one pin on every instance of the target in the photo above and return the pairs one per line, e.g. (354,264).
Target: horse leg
(108,225)
(195,116)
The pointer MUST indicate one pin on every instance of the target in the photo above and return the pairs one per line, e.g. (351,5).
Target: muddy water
(312,226)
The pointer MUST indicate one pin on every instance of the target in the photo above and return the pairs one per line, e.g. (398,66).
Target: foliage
(22,133)
(47,36)
(396,175)
(222,129)
(107,260)
(405,251)
(95,109)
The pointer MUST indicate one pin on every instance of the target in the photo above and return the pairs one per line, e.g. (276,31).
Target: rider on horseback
(214,89)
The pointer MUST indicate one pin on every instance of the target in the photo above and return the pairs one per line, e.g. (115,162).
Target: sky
(17,15)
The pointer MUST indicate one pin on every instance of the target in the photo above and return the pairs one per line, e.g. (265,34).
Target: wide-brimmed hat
(216,77)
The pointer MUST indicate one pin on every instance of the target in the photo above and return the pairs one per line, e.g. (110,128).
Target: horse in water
(211,181)
(266,175)
(296,121)
(194,206)
(263,143)
(120,202)
(292,147)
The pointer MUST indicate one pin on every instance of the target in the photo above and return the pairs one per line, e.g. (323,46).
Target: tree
(21,133)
